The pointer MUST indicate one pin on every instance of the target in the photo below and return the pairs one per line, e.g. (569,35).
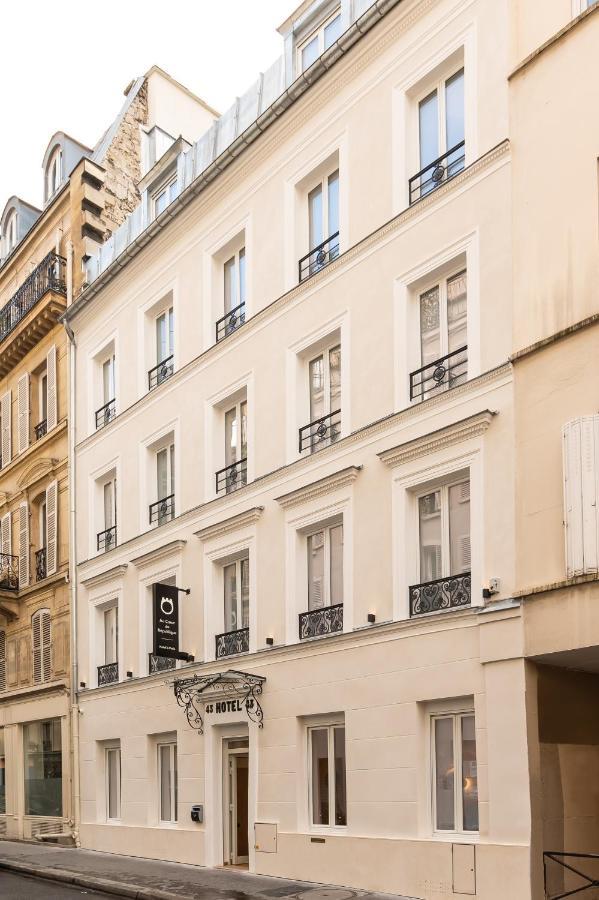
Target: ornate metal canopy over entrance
(222,692)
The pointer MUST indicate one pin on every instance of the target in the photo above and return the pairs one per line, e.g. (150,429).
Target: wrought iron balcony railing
(230,322)
(319,257)
(49,275)
(232,477)
(435,173)
(40,564)
(232,642)
(161,372)
(160,663)
(162,511)
(9,572)
(41,429)
(105,414)
(440,375)
(318,622)
(106,540)
(321,432)
(440,595)
(566,874)
(108,674)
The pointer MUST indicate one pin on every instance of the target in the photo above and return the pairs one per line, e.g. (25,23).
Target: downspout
(72,347)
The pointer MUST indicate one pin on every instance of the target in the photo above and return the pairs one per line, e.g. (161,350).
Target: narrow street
(19,887)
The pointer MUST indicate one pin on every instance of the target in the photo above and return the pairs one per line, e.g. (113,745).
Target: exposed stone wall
(123,164)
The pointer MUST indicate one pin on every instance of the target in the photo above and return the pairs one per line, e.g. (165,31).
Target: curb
(105,885)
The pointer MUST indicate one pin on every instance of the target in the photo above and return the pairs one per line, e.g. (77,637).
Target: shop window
(42,748)
(328,797)
(455,787)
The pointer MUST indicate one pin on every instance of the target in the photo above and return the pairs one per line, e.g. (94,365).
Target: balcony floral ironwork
(162,511)
(9,572)
(230,322)
(232,642)
(232,477)
(48,275)
(440,595)
(321,432)
(160,663)
(41,429)
(41,566)
(319,622)
(439,375)
(108,674)
(319,257)
(105,414)
(437,172)
(564,874)
(106,540)
(161,372)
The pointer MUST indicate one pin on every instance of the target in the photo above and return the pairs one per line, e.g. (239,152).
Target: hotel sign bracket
(228,691)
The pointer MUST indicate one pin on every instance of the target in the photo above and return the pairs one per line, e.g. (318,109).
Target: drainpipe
(72,347)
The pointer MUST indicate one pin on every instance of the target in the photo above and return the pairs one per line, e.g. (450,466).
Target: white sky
(70,64)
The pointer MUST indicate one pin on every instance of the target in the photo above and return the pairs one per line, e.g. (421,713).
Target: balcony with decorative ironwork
(161,372)
(440,375)
(232,477)
(108,674)
(232,642)
(41,429)
(106,540)
(160,663)
(321,432)
(230,322)
(440,595)
(162,511)
(320,622)
(32,311)
(437,172)
(9,572)
(41,566)
(319,257)
(105,414)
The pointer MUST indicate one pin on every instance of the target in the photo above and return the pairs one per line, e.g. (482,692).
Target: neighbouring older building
(313,500)
(87,193)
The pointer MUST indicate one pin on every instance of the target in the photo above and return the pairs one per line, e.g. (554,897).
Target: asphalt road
(18,887)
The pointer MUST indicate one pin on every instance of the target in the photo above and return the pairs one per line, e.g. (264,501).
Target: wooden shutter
(52,528)
(23,412)
(2,661)
(5,534)
(581,471)
(11,664)
(52,415)
(5,415)
(24,661)
(23,544)
(46,635)
(36,639)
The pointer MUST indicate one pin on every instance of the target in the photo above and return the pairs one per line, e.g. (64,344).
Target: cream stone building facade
(305,465)
(87,193)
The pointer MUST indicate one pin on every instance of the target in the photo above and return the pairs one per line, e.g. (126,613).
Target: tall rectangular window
(109,498)
(42,750)
(323,212)
(441,132)
(328,798)
(325,567)
(236,433)
(111,635)
(113,783)
(108,387)
(455,789)
(444,526)
(165,472)
(234,281)
(167,779)
(236,580)
(2,774)
(324,374)
(165,340)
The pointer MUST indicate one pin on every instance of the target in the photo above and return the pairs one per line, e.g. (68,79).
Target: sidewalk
(149,879)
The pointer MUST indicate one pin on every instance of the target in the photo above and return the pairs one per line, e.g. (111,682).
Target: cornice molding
(233,523)
(319,488)
(158,554)
(102,577)
(471,427)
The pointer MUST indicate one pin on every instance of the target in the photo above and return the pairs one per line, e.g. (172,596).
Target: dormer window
(319,41)
(164,195)
(54,173)
(11,232)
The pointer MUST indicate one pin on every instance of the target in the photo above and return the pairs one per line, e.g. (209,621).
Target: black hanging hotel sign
(166,620)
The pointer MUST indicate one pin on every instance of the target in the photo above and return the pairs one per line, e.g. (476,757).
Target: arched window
(2,660)
(42,645)
(11,231)
(54,173)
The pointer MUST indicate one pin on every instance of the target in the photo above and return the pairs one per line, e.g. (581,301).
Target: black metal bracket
(222,686)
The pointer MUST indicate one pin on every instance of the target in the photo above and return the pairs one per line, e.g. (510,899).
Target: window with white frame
(234,473)
(325,566)
(443,337)
(110,621)
(165,348)
(444,531)
(320,40)
(441,134)
(54,173)
(234,281)
(107,410)
(163,509)
(236,590)
(164,195)
(167,781)
(327,775)
(107,536)
(324,385)
(11,232)
(454,772)
(323,225)
(113,783)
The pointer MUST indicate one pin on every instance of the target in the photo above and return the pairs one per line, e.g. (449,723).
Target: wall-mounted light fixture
(371,618)
(129,674)
(270,641)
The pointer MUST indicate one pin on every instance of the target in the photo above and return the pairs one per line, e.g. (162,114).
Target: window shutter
(2,661)
(5,414)
(52,414)
(23,545)
(24,663)
(11,664)
(581,468)
(37,647)
(465,555)
(46,630)
(51,528)
(23,412)
(5,534)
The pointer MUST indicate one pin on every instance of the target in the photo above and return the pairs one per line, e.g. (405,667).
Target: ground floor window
(455,789)
(2,774)
(328,799)
(113,783)
(167,778)
(42,747)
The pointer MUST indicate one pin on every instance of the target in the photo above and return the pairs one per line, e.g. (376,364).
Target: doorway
(235,813)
